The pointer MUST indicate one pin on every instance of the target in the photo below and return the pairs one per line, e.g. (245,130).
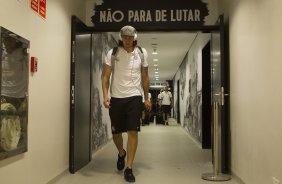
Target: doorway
(74,139)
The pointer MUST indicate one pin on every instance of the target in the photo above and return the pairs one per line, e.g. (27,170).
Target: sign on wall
(34,5)
(153,14)
(39,6)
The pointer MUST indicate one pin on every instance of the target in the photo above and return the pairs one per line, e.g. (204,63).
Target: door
(178,102)
(206,96)
(80,126)
(220,98)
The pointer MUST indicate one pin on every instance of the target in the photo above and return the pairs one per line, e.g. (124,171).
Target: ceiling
(171,48)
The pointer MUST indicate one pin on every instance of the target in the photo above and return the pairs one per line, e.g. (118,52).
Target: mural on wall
(183,76)
(191,90)
(98,128)
(193,124)
(14,94)
(97,61)
(199,116)
(176,96)
(191,115)
(100,122)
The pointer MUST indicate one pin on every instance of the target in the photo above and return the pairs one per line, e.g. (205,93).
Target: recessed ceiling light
(155,52)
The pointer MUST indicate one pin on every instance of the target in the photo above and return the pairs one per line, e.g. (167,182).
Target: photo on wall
(14,94)
(183,76)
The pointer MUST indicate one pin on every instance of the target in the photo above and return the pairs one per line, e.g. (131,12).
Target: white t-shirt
(126,74)
(165,96)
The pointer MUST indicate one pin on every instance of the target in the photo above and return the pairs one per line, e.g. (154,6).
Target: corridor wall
(48,123)
(255,88)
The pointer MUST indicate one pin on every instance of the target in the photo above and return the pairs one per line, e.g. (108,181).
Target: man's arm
(145,85)
(107,71)
(171,102)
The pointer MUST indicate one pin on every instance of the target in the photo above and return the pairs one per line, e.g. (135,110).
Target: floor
(166,155)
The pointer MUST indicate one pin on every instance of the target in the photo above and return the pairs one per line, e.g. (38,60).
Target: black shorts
(166,108)
(125,114)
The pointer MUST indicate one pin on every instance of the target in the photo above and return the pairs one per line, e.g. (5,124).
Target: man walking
(129,80)
(167,104)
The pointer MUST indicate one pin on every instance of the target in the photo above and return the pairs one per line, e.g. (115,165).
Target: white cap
(128,31)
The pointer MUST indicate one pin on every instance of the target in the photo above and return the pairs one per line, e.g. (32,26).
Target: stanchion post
(216,175)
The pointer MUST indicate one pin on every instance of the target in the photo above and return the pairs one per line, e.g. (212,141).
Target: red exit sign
(39,6)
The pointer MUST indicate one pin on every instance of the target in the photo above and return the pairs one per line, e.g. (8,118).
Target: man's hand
(107,102)
(148,105)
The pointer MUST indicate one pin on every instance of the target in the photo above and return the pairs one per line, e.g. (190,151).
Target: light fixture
(155,64)
(155,59)
(155,52)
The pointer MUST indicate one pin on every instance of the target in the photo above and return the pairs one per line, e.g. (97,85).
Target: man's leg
(163,114)
(118,140)
(132,143)
(167,116)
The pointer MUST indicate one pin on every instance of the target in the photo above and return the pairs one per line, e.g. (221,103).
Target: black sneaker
(128,175)
(120,161)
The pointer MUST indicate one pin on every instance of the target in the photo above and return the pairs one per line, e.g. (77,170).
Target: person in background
(167,104)
(159,115)
(129,80)
(159,99)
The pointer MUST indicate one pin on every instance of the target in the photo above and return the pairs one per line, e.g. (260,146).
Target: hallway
(166,155)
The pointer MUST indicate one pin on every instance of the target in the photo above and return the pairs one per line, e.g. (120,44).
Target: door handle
(223,95)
